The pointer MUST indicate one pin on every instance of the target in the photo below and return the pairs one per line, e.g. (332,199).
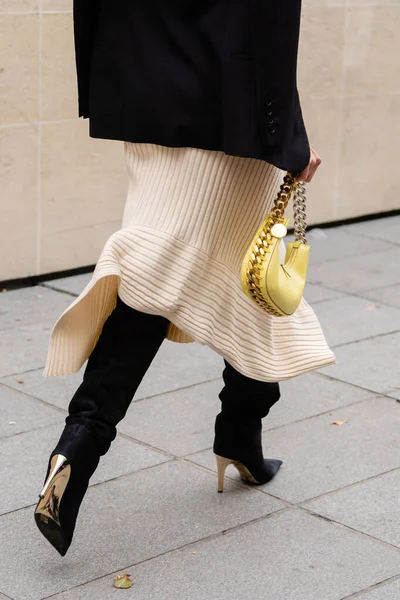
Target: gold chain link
(262,246)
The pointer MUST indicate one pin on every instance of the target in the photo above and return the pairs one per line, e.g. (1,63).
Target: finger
(311,172)
(304,174)
(313,168)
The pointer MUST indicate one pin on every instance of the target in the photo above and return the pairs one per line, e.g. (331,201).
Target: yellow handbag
(275,287)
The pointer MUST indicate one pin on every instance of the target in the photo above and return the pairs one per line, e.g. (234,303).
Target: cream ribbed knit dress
(189,218)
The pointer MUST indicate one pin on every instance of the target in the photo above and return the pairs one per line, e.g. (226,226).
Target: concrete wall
(62,193)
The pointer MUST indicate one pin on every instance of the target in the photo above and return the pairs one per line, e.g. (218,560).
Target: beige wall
(62,193)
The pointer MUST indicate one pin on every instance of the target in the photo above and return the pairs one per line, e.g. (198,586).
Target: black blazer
(212,74)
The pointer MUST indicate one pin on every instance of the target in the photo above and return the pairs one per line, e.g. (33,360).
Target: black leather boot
(238,427)
(71,464)
(126,347)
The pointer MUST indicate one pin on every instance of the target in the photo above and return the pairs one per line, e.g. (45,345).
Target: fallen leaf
(396,387)
(371,307)
(194,552)
(339,422)
(19,380)
(123,582)
(3,290)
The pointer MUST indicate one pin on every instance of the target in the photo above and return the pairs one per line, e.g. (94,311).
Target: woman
(203,94)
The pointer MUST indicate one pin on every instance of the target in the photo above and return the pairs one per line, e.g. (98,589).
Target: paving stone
(371,364)
(24,348)
(314,293)
(73,285)
(182,422)
(389,295)
(31,305)
(19,412)
(308,395)
(371,507)
(180,365)
(319,457)
(348,319)
(126,521)
(334,243)
(289,556)
(54,390)
(24,460)
(358,273)
(386,591)
(387,228)
(175,366)
(179,422)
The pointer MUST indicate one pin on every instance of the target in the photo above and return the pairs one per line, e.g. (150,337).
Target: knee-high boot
(238,427)
(126,347)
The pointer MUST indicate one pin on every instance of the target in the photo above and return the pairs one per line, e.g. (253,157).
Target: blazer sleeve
(85,23)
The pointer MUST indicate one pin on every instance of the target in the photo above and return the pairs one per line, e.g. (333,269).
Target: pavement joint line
(349,528)
(57,289)
(98,483)
(325,494)
(204,468)
(21,374)
(325,412)
(389,397)
(252,488)
(371,337)
(373,392)
(265,430)
(367,235)
(354,385)
(170,454)
(185,387)
(17,433)
(172,459)
(346,292)
(40,368)
(130,438)
(21,326)
(360,295)
(326,299)
(171,551)
(382,584)
(359,387)
(394,246)
(24,393)
(344,487)
(385,304)
(6,595)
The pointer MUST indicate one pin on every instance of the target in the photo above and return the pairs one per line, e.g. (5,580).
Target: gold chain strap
(284,195)
(299,213)
(264,241)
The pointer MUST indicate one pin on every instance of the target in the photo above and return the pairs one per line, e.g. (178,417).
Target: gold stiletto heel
(223,463)
(48,507)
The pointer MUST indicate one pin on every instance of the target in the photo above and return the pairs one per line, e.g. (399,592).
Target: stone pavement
(328,526)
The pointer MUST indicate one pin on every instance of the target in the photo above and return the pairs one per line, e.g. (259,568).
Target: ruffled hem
(156,273)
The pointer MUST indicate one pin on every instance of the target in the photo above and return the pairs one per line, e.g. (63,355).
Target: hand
(309,172)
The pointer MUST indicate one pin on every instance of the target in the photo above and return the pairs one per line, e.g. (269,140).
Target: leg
(126,347)
(238,427)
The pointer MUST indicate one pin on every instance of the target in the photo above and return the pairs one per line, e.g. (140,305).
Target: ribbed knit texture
(189,218)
